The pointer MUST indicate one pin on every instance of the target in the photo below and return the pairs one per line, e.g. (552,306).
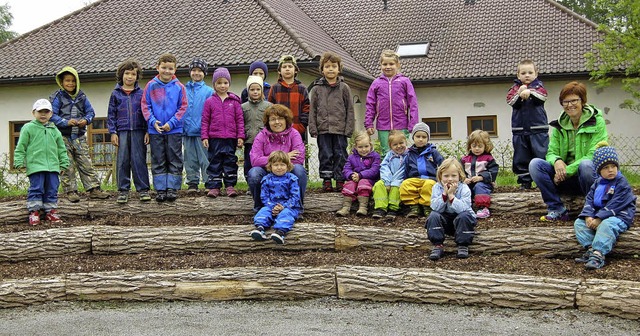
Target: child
(360,171)
(128,131)
(42,151)
(222,131)
(529,123)
(386,192)
(608,210)
(164,103)
(195,155)
(291,93)
(420,168)
(452,213)
(480,170)
(391,101)
(253,113)
(257,68)
(331,120)
(280,195)
(72,113)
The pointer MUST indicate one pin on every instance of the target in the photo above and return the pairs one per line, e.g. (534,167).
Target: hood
(72,71)
(588,111)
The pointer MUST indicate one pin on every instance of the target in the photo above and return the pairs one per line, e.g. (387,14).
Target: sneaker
(391,216)
(123,197)
(339,186)
(97,193)
(584,257)
(378,213)
(326,186)
(258,234)
(437,252)
(53,217)
(161,196)
(596,261)
(34,217)
(556,216)
(213,193)
(144,196)
(414,211)
(231,192)
(526,186)
(426,211)
(483,213)
(172,195)
(278,237)
(73,197)
(463,252)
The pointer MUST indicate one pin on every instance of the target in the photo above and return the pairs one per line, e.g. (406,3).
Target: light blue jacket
(392,169)
(197,93)
(462,201)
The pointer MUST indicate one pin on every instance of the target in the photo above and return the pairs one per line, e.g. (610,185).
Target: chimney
(385,4)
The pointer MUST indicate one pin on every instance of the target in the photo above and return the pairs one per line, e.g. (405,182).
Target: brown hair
(527,61)
(575,88)
(167,58)
(330,57)
(128,64)
(480,136)
(280,111)
(387,53)
(279,156)
(448,163)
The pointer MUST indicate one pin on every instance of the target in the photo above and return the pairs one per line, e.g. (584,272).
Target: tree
(618,53)
(5,22)
(593,10)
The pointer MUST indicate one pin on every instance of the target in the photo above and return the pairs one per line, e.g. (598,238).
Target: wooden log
(454,287)
(15,212)
(25,292)
(612,297)
(51,243)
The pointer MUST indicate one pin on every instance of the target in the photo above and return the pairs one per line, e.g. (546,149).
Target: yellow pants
(415,190)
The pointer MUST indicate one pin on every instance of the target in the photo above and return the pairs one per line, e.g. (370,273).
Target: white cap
(42,104)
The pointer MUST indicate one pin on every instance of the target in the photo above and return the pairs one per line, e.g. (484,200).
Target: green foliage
(593,10)
(5,22)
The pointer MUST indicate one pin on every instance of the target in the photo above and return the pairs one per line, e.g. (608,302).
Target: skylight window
(413,49)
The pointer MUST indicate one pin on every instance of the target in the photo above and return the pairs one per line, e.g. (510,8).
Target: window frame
(439,136)
(13,138)
(91,131)
(482,118)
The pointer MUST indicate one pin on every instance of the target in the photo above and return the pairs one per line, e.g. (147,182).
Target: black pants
(332,154)
(460,226)
(526,148)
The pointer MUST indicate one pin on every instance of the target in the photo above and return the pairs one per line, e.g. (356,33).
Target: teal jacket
(592,130)
(40,149)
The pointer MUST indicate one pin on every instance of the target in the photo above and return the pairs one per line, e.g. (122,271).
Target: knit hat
(200,64)
(221,73)
(288,59)
(254,80)
(421,127)
(259,65)
(42,104)
(604,154)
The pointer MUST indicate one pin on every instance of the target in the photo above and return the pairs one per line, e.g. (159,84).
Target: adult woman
(568,167)
(277,134)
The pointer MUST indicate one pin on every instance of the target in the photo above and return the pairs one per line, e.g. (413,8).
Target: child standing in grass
(386,192)
(481,170)
(41,150)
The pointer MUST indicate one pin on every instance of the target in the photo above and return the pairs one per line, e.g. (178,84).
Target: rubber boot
(346,206)
(364,204)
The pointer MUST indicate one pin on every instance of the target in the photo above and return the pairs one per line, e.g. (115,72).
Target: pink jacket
(222,119)
(267,142)
(391,97)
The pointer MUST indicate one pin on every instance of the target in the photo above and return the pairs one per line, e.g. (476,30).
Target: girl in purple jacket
(391,101)
(361,171)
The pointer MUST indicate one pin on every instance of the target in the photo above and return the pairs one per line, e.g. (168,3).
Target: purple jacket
(391,97)
(125,110)
(222,119)
(368,167)
(267,142)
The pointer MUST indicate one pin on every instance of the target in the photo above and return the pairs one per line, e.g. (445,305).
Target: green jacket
(40,148)
(592,130)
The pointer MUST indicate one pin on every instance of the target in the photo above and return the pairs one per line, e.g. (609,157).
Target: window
(440,127)
(103,153)
(413,49)
(485,123)
(14,135)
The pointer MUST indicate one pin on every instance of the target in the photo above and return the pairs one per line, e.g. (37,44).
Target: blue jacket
(164,102)
(392,169)
(125,112)
(461,202)
(422,163)
(616,197)
(197,93)
(528,116)
(70,106)
(280,189)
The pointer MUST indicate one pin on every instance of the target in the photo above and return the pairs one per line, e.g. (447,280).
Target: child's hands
(451,190)
(82,123)
(146,138)
(594,223)
(293,154)
(355,177)
(240,143)
(166,127)
(467,181)
(477,179)
(521,88)
(525,94)
(72,122)
(277,209)
(370,130)
(114,139)
(156,125)
(205,143)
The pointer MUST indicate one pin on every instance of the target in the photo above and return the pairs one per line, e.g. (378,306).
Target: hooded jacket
(368,167)
(267,142)
(40,149)
(422,162)
(331,108)
(166,103)
(67,106)
(253,112)
(392,103)
(197,94)
(280,189)
(222,119)
(617,200)
(392,169)
(528,116)
(125,110)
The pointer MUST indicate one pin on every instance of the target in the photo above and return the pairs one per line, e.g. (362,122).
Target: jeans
(604,237)
(542,173)
(255,183)
(43,191)
(132,158)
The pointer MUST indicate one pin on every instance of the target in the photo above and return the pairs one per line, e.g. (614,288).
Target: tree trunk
(51,243)
(615,297)
(25,292)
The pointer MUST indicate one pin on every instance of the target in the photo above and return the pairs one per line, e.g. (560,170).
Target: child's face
(258,72)
(450,175)
(363,147)
(255,92)
(609,171)
(527,73)
(278,168)
(287,71)
(221,86)
(389,66)
(196,74)
(42,116)
(166,70)
(398,146)
(420,139)
(69,83)
(477,148)
(330,70)
(129,77)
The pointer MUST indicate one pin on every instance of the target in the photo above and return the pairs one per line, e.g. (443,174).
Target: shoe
(213,193)
(463,252)
(339,186)
(426,211)
(584,257)
(437,252)
(34,217)
(172,195)
(278,237)
(326,186)
(231,192)
(526,186)
(391,216)
(378,213)
(346,207)
(556,216)
(73,197)
(161,196)
(144,196)
(483,213)
(258,234)
(97,193)
(123,197)
(596,261)
(414,211)
(53,217)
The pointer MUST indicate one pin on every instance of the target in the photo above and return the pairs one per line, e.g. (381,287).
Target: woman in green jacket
(567,167)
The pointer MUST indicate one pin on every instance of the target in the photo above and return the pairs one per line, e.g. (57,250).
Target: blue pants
(166,161)
(480,188)
(223,163)
(332,155)
(132,159)
(43,191)
(527,147)
(196,160)
(255,183)
(604,237)
(542,173)
(283,222)
(461,226)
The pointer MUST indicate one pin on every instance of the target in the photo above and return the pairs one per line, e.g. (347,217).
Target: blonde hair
(360,136)
(448,163)
(387,53)
(395,135)
(279,156)
(480,136)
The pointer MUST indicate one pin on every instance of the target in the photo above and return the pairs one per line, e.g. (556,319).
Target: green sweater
(592,130)
(40,149)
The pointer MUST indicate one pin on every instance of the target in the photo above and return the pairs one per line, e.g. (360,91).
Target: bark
(51,243)
(618,298)
(25,292)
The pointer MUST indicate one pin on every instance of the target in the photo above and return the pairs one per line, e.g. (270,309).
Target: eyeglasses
(571,102)
(274,119)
